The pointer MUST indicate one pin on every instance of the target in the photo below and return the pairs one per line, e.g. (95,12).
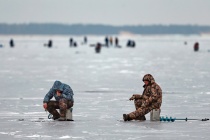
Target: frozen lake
(102,84)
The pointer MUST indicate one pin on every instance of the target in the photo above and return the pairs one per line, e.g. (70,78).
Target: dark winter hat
(58,86)
(148,77)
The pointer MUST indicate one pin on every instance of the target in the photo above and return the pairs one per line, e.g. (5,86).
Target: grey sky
(112,12)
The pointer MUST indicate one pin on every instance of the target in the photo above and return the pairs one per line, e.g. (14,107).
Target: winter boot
(62,119)
(55,117)
(126,117)
(141,118)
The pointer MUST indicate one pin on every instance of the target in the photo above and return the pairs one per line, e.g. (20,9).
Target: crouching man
(149,100)
(64,100)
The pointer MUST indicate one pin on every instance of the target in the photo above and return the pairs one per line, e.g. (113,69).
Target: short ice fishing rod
(170,119)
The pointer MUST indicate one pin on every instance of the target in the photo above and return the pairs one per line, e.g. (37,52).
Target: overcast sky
(111,12)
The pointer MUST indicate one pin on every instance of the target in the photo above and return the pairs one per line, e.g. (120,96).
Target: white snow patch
(38,136)
(41,88)
(64,137)
(3,132)
(126,71)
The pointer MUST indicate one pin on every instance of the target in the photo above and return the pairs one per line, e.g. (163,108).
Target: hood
(148,77)
(58,86)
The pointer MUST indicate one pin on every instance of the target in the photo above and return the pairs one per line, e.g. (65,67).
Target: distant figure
(110,41)
(196,46)
(116,42)
(98,48)
(85,40)
(64,100)
(106,42)
(11,43)
(75,44)
(50,43)
(185,43)
(131,43)
(134,44)
(71,42)
(1,45)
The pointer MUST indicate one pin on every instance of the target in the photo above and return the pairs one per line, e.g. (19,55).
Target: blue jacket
(67,92)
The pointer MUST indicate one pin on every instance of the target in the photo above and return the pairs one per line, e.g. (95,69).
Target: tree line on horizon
(98,29)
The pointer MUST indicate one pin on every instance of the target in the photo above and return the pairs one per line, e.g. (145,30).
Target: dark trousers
(62,104)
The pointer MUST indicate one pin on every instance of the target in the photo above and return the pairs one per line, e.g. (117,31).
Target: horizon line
(86,24)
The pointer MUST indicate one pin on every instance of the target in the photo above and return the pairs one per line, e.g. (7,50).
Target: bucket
(155,115)
(69,114)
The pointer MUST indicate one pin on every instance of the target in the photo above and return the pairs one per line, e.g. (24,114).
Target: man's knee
(52,105)
(70,104)
(138,103)
(63,104)
(142,111)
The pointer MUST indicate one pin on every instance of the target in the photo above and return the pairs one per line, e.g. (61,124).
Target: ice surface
(102,84)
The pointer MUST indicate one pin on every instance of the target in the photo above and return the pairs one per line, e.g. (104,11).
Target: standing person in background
(110,41)
(85,40)
(71,42)
(149,100)
(64,100)
(12,44)
(116,42)
(50,43)
(106,41)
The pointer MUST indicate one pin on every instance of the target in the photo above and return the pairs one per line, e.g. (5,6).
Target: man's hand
(132,98)
(45,106)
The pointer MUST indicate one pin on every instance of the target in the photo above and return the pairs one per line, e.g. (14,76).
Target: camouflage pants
(140,111)
(138,103)
(62,104)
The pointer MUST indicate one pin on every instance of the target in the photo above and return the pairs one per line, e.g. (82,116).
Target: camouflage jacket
(67,92)
(152,94)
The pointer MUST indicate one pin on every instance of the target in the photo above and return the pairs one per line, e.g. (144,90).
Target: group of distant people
(72,43)
(108,42)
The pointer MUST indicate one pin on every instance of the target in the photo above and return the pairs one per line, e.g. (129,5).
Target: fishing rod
(170,119)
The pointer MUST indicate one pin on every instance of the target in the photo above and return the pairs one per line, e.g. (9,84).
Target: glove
(132,98)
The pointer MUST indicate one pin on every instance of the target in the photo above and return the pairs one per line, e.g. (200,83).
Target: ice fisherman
(149,100)
(64,100)
(98,48)
(196,46)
